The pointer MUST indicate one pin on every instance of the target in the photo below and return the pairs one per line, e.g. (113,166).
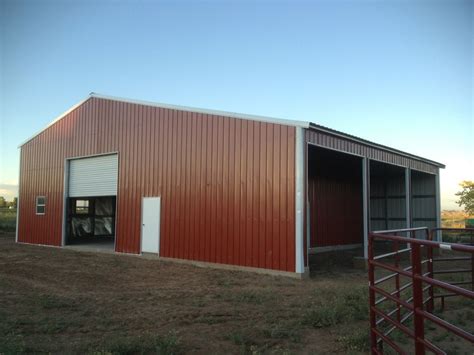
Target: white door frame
(141,223)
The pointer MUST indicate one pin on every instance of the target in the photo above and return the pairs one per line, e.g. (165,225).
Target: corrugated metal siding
(336,213)
(227,185)
(324,139)
(335,198)
(423,207)
(96,176)
(387,197)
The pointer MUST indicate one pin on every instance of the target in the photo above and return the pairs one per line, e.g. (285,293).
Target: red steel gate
(412,258)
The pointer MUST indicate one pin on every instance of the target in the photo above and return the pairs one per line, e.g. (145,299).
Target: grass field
(63,301)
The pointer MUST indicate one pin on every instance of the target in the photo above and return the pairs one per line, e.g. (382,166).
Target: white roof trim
(207,111)
(242,116)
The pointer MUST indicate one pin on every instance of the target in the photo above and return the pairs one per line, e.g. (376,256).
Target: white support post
(299,210)
(365,204)
(65,196)
(408,197)
(408,203)
(439,235)
(18,200)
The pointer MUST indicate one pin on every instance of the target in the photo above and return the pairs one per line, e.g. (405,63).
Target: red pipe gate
(418,306)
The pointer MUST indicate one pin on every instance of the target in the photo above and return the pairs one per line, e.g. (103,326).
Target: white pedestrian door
(151,225)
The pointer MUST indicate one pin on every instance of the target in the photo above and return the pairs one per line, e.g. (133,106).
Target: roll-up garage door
(95,176)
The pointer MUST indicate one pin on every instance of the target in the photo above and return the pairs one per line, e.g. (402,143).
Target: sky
(396,72)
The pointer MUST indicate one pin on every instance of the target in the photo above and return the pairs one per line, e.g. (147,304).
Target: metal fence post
(472,272)
(430,304)
(373,324)
(417,299)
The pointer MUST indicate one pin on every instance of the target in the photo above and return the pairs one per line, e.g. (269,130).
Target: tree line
(7,204)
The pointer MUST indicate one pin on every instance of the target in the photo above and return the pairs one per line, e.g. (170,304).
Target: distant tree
(466,196)
(15,202)
(3,203)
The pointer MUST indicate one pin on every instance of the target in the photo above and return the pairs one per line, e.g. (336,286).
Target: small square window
(40,204)
(82,206)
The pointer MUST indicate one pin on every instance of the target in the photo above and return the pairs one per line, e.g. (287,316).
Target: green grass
(283,330)
(358,340)
(7,220)
(168,344)
(255,297)
(346,305)
(239,338)
(51,302)
(12,344)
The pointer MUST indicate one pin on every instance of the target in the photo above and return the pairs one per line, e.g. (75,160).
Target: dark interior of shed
(387,196)
(91,220)
(388,207)
(423,203)
(335,198)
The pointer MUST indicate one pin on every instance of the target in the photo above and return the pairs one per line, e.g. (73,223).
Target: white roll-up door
(95,176)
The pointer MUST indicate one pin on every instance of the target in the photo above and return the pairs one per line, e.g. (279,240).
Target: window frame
(82,210)
(40,205)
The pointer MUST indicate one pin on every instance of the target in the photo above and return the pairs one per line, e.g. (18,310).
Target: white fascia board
(242,116)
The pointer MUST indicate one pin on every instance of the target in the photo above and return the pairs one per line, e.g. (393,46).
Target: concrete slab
(99,247)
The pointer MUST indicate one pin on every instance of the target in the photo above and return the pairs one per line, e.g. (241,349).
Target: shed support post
(365,203)
(438,206)
(299,210)
(408,197)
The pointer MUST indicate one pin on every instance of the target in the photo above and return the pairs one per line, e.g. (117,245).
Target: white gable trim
(242,116)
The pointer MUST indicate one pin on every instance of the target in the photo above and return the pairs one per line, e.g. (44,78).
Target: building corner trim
(18,200)
(299,201)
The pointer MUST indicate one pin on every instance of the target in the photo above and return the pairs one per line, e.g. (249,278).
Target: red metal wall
(335,198)
(227,185)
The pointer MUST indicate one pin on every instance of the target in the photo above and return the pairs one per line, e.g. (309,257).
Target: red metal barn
(215,187)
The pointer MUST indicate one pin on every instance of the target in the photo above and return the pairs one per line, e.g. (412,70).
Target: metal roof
(372,144)
(303,124)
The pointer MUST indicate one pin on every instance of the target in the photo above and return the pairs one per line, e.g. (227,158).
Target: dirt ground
(65,301)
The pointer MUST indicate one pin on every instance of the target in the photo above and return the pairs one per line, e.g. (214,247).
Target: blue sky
(395,72)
